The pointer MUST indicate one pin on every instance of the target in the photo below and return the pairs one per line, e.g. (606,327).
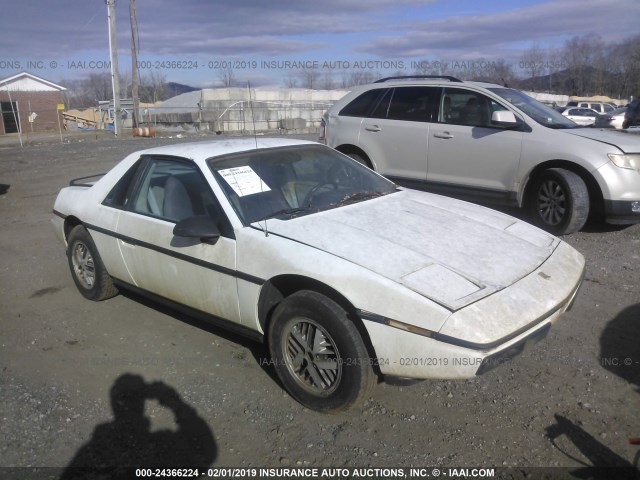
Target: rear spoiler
(81,181)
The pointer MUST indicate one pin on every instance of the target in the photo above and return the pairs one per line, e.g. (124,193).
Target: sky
(192,41)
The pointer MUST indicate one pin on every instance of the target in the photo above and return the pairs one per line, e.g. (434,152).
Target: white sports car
(344,274)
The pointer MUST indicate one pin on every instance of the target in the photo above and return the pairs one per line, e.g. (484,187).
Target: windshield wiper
(284,211)
(358,196)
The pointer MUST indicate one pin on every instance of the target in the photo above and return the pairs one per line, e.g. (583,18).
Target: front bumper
(622,212)
(485,334)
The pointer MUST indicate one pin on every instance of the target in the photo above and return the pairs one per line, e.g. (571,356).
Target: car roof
(213,148)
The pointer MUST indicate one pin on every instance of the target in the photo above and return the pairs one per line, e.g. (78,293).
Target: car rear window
(361,106)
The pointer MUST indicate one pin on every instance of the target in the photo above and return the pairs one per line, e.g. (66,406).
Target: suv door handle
(443,135)
(372,128)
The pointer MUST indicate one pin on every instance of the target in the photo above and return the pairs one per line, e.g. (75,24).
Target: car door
(185,270)
(396,133)
(469,156)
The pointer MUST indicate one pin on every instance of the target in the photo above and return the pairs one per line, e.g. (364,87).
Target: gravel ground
(569,402)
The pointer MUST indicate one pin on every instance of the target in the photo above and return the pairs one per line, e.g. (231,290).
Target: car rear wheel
(318,353)
(88,272)
(559,201)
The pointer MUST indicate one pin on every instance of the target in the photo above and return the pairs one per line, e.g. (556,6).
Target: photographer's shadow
(128,441)
(620,355)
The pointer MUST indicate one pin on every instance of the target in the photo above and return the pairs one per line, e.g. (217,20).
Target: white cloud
(498,34)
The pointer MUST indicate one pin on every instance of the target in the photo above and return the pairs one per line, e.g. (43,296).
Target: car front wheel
(559,201)
(318,353)
(88,272)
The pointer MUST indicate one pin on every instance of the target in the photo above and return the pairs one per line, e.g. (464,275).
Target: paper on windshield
(244,180)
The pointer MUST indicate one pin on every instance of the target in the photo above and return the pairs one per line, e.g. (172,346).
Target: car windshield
(539,112)
(288,182)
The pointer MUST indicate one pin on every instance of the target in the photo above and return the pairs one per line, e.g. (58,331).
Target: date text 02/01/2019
(403,361)
(315,472)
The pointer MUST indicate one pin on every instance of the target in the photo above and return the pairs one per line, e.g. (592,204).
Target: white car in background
(582,116)
(341,272)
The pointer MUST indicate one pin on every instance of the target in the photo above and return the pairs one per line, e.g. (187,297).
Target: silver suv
(599,107)
(490,144)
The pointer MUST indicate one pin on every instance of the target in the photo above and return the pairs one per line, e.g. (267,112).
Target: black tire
(360,159)
(626,124)
(559,201)
(88,271)
(318,353)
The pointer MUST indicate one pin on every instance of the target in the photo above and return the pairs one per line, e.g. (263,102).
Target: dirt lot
(571,401)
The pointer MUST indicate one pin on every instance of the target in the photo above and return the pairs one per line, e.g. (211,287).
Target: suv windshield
(542,114)
(291,181)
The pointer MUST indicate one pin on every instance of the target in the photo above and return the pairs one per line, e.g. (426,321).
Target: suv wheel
(559,201)
(360,159)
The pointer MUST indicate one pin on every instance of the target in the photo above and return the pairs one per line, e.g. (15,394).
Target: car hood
(447,250)
(625,142)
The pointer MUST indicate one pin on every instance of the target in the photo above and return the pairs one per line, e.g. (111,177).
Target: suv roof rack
(402,77)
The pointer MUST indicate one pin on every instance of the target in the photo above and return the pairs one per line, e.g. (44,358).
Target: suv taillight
(323,130)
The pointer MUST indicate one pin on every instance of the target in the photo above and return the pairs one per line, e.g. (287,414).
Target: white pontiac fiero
(344,274)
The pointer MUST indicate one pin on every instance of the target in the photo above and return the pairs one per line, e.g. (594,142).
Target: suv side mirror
(504,118)
(200,226)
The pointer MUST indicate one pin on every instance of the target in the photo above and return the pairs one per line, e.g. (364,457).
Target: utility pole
(115,79)
(134,61)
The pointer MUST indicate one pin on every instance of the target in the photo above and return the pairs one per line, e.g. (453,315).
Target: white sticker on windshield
(244,180)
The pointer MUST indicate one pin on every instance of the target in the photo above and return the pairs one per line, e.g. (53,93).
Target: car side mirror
(200,226)
(504,118)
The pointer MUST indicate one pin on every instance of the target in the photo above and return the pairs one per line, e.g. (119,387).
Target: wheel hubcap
(83,265)
(312,357)
(552,202)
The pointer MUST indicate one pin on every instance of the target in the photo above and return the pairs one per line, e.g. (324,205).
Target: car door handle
(372,128)
(443,135)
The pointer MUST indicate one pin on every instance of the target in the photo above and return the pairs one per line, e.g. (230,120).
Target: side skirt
(192,312)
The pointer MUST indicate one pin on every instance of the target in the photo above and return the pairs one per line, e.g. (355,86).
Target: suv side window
(414,104)
(466,107)
(362,104)
(381,109)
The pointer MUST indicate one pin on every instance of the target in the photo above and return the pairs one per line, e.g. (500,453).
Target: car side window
(414,104)
(466,107)
(173,190)
(121,191)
